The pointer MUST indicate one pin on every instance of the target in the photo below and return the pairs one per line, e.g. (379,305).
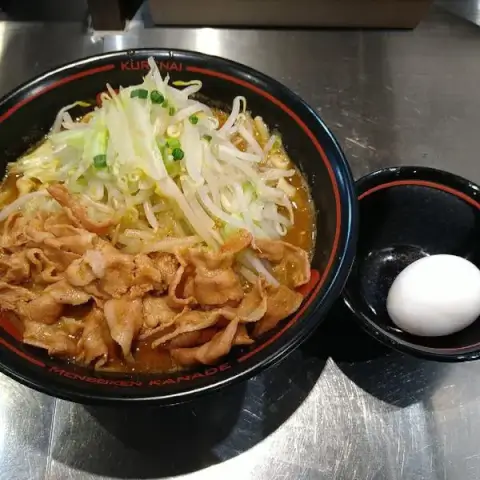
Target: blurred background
(116,14)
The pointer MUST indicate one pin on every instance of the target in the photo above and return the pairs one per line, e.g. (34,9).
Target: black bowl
(407,213)
(28,112)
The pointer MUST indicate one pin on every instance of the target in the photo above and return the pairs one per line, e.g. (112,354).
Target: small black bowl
(407,213)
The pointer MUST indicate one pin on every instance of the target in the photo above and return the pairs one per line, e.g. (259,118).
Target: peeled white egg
(436,295)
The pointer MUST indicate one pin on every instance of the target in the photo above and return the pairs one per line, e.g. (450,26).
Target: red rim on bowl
(307,138)
(390,179)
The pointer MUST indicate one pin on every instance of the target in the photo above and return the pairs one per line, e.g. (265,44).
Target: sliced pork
(96,343)
(14,268)
(192,303)
(281,303)
(76,212)
(58,339)
(214,280)
(157,312)
(124,318)
(191,321)
(209,352)
(291,265)
(12,296)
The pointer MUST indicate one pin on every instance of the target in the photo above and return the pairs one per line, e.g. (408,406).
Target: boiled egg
(436,295)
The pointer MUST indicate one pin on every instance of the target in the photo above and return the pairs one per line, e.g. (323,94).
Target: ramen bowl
(26,116)
(407,213)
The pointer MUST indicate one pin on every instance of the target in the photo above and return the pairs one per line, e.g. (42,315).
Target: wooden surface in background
(291,13)
(112,14)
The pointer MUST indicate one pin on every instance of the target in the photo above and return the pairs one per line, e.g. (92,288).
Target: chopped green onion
(165,104)
(171,111)
(99,144)
(173,142)
(177,154)
(193,119)
(100,161)
(140,93)
(208,138)
(173,168)
(157,97)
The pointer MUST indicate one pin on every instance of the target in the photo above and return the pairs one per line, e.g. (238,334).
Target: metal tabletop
(340,407)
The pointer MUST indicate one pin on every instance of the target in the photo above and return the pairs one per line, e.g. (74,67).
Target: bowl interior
(26,116)
(406,214)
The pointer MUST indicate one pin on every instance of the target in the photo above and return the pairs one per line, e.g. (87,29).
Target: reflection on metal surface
(118,39)
(2,37)
(469,9)
(208,40)
(159,443)
(391,98)
(26,423)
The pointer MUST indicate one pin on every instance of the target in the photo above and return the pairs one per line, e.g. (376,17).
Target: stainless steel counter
(469,9)
(341,407)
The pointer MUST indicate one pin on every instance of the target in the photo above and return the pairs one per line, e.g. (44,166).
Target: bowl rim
(405,175)
(332,287)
